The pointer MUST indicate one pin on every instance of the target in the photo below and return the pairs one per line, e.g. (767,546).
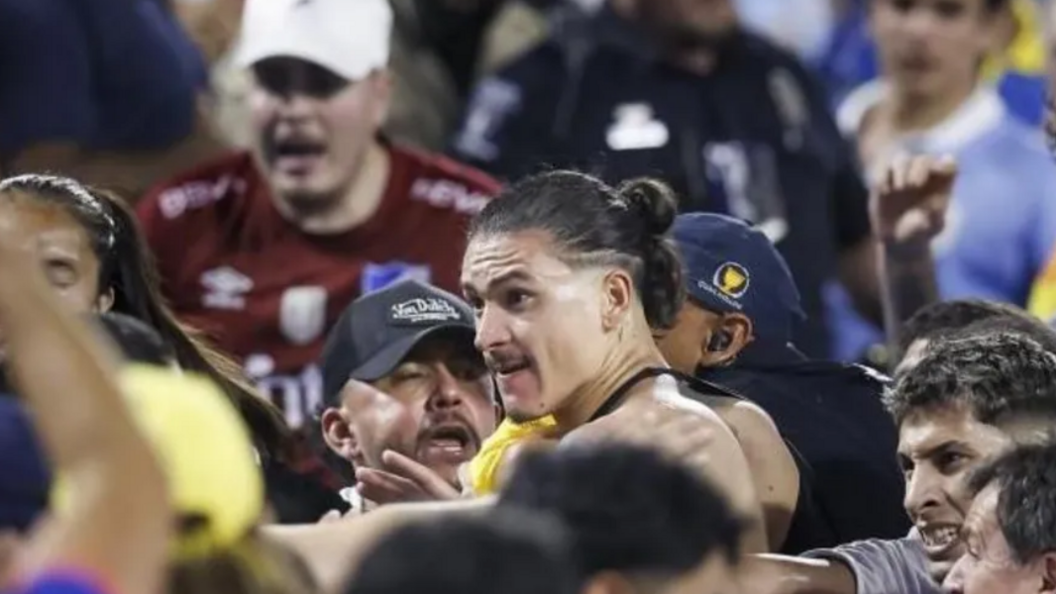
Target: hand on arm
(908,210)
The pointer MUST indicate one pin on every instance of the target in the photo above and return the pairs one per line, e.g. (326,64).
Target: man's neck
(906,113)
(617,370)
(358,204)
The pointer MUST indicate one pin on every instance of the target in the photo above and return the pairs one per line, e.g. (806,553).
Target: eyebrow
(938,449)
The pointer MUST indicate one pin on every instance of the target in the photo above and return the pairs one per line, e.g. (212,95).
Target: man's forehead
(932,427)
(494,259)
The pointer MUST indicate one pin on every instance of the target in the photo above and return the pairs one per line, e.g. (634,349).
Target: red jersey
(267,292)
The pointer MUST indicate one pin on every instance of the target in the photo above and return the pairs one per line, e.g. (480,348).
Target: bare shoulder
(749,417)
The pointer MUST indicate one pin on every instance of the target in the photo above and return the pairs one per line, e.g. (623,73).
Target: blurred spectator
(96,261)
(506,551)
(1001,222)
(438,49)
(107,93)
(264,249)
(405,388)
(678,90)
(638,522)
(1014,65)
(735,330)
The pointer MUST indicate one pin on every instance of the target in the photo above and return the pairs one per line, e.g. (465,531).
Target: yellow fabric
(1042,302)
(1026,54)
(485,466)
(206,451)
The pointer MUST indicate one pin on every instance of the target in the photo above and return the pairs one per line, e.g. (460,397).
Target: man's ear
(734,333)
(104,301)
(617,295)
(1048,573)
(339,435)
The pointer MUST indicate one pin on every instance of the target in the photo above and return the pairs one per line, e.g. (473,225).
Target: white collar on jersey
(979,114)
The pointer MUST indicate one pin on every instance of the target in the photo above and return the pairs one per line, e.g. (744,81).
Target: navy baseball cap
(25,480)
(378,330)
(731,267)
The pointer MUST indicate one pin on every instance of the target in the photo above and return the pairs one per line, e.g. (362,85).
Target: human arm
(333,550)
(871,566)
(908,210)
(117,527)
(774,471)
(781,574)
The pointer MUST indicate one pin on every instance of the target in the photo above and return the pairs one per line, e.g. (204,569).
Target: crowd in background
(595,296)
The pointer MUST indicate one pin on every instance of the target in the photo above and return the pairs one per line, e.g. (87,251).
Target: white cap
(348,37)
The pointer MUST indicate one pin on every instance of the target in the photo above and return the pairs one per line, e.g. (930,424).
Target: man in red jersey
(264,249)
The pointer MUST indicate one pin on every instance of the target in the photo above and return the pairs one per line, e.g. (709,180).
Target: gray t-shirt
(885,566)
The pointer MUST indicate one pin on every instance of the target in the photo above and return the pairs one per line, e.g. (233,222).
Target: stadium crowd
(528,297)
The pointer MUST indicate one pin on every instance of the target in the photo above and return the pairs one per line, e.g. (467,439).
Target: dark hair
(1026,503)
(1028,326)
(951,316)
(998,377)
(505,551)
(628,509)
(127,268)
(594,224)
(996,5)
(254,565)
(138,342)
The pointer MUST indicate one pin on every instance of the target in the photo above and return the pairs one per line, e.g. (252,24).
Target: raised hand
(911,200)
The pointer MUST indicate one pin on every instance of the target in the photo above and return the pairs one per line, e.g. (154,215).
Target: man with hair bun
(567,277)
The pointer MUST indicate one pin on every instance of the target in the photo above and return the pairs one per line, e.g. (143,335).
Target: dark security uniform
(833,416)
(753,139)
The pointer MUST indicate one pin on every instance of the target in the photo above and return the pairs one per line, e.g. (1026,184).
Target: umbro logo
(225,288)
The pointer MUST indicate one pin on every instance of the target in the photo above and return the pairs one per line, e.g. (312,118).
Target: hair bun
(652,200)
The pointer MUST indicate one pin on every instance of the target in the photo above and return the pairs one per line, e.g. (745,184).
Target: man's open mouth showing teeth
(939,536)
(453,443)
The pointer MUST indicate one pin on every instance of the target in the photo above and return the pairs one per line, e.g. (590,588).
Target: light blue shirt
(1001,226)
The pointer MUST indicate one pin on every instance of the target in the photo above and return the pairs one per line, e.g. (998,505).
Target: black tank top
(809,529)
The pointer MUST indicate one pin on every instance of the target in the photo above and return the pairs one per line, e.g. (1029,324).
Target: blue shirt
(63,582)
(1001,226)
(104,74)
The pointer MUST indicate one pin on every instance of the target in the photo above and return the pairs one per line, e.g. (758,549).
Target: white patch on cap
(424,310)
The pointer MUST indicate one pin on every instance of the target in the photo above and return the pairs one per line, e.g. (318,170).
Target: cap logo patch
(731,279)
(426,310)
